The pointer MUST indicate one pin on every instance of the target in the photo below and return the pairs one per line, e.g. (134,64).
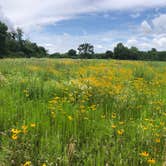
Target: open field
(82,113)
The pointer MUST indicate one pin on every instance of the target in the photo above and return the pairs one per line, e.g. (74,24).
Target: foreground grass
(82,112)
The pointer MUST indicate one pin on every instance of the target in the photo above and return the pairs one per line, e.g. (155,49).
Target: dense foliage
(13,45)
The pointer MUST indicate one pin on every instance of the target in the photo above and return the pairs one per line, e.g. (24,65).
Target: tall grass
(82,112)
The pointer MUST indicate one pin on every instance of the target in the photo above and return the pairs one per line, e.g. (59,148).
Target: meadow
(63,112)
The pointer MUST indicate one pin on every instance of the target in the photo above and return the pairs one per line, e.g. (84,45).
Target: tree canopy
(12,44)
(86,50)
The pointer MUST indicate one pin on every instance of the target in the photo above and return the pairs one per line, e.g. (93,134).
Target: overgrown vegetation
(82,112)
(13,45)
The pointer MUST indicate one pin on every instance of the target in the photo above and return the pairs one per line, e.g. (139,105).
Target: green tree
(121,52)
(12,44)
(72,53)
(55,55)
(3,36)
(109,54)
(33,50)
(153,55)
(134,53)
(162,55)
(86,50)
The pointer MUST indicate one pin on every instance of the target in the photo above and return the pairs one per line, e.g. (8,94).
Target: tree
(86,50)
(153,55)
(72,53)
(55,55)
(162,55)
(19,35)
(11,43)
(134,53)
(3,36)
(42,52)
(33,50)
(121,52)
(109,54)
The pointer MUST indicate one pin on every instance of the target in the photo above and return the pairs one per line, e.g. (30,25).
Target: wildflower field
(82,113)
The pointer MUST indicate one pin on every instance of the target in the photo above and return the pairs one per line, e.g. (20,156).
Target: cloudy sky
(60,25)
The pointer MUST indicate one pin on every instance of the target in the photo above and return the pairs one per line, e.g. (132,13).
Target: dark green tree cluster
(86,51)
(13,45)
(133,53)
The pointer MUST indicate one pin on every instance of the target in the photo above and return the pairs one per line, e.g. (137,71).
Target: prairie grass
(82,112)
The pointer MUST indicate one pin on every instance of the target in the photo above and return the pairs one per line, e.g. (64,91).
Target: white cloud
(64,42)
(160,42)
(160,23)
(141,43)
(132,42)
(146,28)
(101,41)
(32,13)
(145,43)
(4,19)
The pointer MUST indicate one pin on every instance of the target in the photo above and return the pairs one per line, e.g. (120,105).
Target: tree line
(86,51)
(13,45)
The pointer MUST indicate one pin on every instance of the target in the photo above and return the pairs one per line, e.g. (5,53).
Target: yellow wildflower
(15,131)
(33,125)
(157,140)
(70,118)
(93,107)
(24,128)
(120,132)
(27,163)
(145,128)
(14,137)
(151,161)
(144,154)
(113,126)
(113,115)
(121,123)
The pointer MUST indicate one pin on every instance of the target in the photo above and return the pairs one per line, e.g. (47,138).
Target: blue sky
(103,21)
(62,25)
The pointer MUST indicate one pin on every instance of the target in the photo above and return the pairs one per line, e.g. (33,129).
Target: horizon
(60,26)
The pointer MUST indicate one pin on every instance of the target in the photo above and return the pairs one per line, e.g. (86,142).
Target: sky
(60,25)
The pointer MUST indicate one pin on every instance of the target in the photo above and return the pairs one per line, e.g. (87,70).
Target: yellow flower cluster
(150,160)
(24,130)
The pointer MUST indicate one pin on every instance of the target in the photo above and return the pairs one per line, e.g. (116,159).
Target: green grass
(82,112)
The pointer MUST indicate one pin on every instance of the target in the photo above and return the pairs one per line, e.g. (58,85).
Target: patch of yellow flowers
(150,160)
(24,130)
